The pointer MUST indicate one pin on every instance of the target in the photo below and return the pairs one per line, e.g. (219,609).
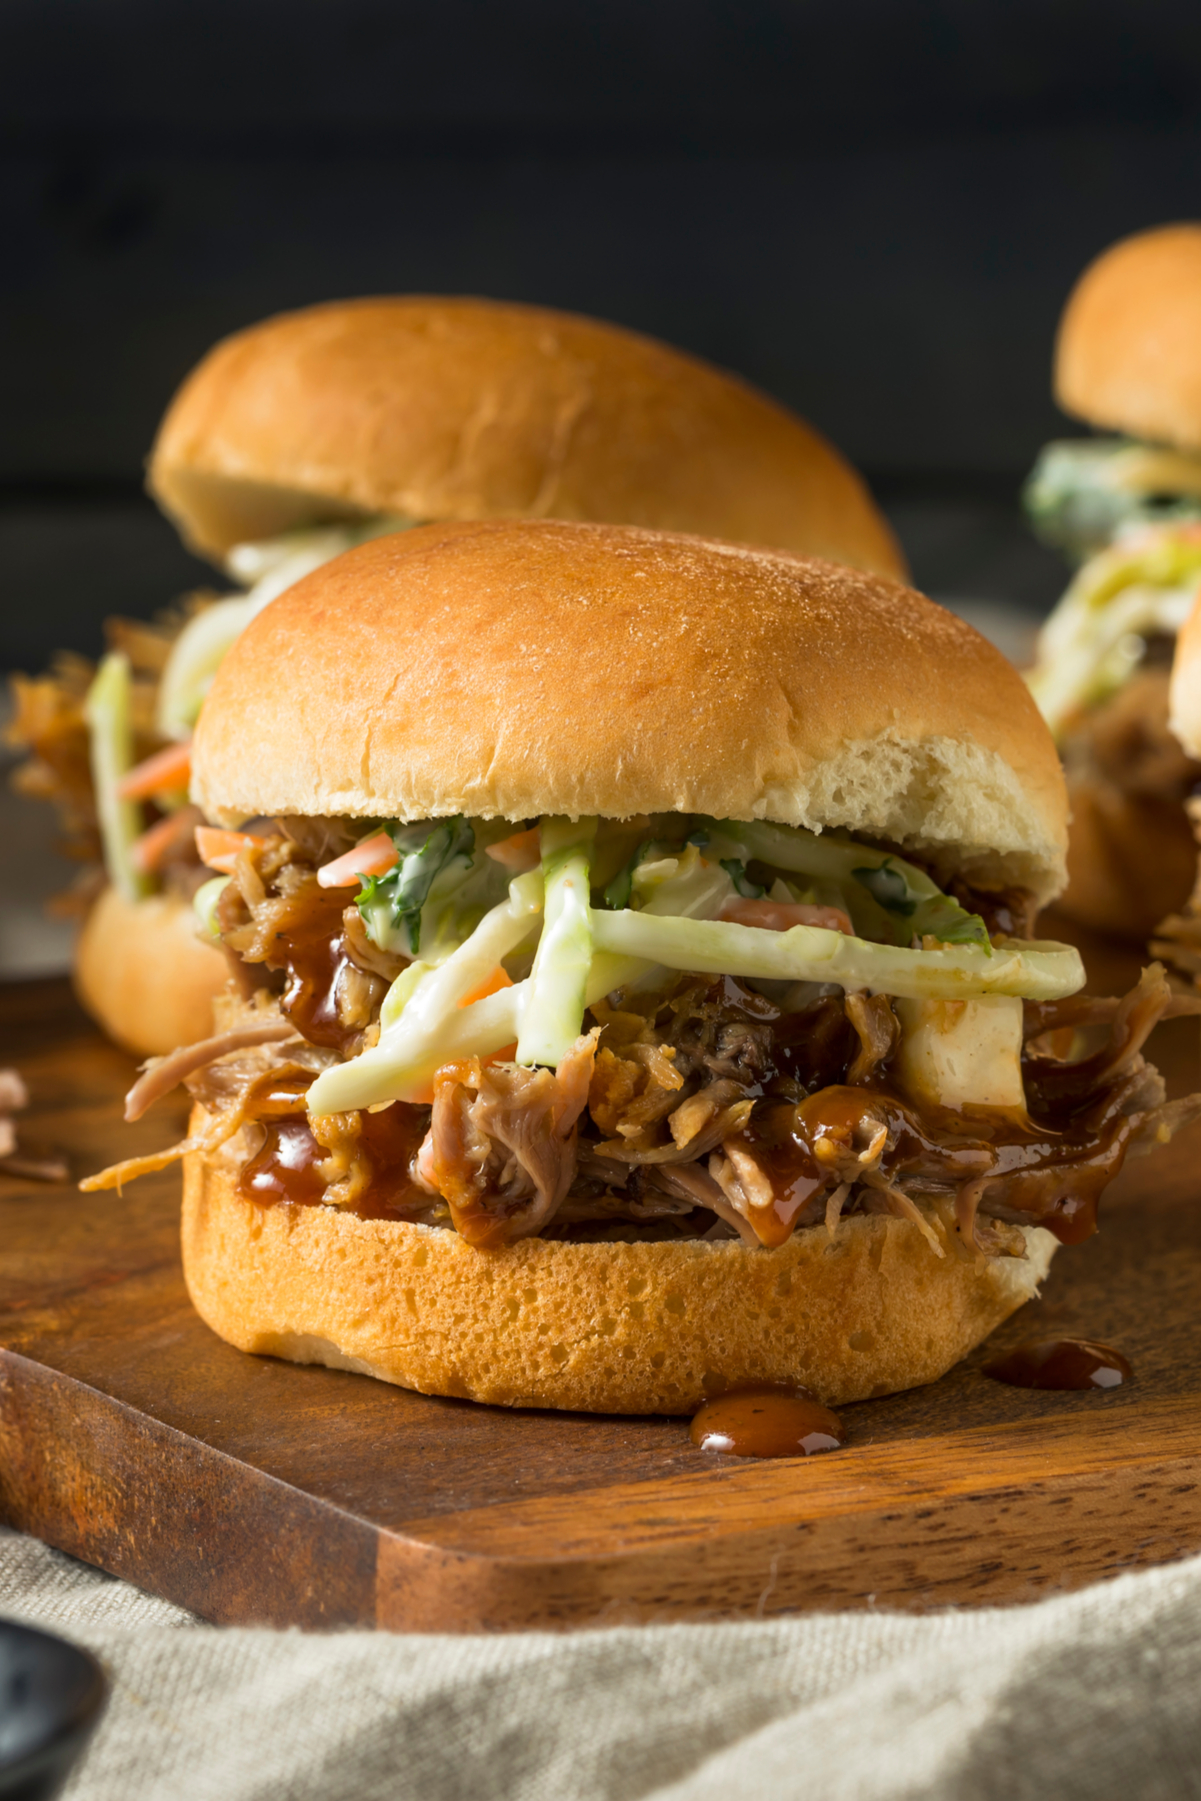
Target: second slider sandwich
(306,434)
(638,992)
(1127,361)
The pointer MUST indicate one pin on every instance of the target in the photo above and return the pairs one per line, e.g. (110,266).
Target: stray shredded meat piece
(14,1096)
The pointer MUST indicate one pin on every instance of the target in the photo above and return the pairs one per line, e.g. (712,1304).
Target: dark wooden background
(875,210)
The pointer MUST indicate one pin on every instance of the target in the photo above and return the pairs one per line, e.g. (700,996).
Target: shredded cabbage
(423,1012)
(204,905)
(885,896)
(106,708)
(392,904)
(676,893)
(812,954)
(1144,583)
(553,1010)
(270,566)
(1083,491)
(736,870)
(402,992)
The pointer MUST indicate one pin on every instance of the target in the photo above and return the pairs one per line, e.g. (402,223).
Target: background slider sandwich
(637,990)
(1127,360)
(317,430)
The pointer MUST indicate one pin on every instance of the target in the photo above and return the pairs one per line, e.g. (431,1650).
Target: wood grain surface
(257,1491)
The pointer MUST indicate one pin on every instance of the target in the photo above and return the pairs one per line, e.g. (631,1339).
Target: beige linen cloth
(1092,1695)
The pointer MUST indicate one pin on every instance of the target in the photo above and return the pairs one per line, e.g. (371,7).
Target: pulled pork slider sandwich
(637,995)
(320,429)
(1128,361)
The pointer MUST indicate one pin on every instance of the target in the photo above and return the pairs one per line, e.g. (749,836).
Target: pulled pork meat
(502,1144)
(706,1108)
(1128,782)
(48,724)
(14,1097)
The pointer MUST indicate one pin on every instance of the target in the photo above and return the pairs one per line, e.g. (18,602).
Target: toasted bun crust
(144,976)
(1185,694)
(519,668)
(469,409)
(598,1328)
(1128,356)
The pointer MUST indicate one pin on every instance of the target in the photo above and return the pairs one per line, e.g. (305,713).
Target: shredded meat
(502,1143)
(237,1075)
(1128,780)
(14,1096)
(48,723)
(1128,743)
(162,1074)
(878,1031)
(275,913)
(707,1108)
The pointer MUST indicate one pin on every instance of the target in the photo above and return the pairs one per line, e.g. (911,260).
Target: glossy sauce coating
(285,1168)
(314,953)
(766,1420)
(1054,1163)
(1060,1363)
(810,1122)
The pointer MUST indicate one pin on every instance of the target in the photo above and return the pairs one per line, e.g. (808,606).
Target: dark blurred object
(51,1696)
(873,211)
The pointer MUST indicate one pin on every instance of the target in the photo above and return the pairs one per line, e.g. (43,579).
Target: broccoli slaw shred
(660,1027)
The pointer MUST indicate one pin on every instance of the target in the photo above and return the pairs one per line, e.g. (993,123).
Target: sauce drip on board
(1060,1363)
(765,1419)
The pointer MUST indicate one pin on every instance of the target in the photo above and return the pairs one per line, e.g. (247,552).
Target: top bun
(1128,357)
(516,668)
(468,409)
(1184,701)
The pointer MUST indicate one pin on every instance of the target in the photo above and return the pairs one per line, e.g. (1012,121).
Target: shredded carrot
(220,850)
(781,916)
(520,852)
(373,856)
(168,771)
(151,850)
(491,985)
(508,1054)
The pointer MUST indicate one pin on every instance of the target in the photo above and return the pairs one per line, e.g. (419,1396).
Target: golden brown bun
(1128,356)
(600,1328)
(517,668)
(1185,702)
(143,975)
(470,409)
(1131,859)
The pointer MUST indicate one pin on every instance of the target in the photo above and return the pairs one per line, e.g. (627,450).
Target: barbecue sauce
(1054,1162)
(1060,1363)
(314,953)
(286,1167)
(766,1419)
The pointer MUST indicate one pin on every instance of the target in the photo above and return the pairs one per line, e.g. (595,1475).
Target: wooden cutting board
(256,1491)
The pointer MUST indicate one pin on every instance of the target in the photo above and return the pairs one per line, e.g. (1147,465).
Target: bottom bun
(652,1327)
(144,976)
(1132,859)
